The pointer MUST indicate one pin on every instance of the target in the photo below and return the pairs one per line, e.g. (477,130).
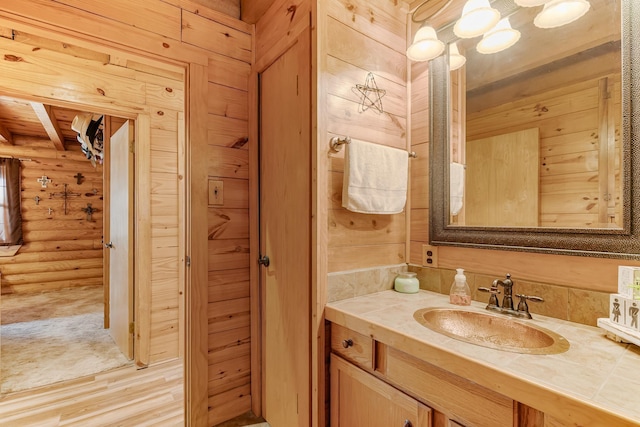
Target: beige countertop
(596,379)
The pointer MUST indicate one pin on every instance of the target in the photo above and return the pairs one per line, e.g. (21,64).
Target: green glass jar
(406,282)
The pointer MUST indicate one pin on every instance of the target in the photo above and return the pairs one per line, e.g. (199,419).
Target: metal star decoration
(370,95)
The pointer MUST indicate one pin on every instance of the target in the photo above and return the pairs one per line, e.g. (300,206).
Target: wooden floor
(124,397)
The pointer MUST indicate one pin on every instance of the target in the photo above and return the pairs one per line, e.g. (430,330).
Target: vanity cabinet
(358,399)
(373,384)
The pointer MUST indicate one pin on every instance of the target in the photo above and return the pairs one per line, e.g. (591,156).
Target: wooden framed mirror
(616,236)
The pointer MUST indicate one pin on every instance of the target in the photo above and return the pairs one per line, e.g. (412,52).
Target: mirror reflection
(535,119)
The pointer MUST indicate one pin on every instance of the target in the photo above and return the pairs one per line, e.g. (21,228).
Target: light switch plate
(216,192)
(430,256)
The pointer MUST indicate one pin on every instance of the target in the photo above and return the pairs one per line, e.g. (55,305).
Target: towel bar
(337,142)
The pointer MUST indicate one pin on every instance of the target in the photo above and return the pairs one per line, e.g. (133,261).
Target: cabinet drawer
(457,397)
(352,345)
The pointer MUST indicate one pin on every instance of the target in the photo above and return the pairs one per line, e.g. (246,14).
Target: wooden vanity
(382,359)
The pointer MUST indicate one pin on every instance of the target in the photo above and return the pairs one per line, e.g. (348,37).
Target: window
(10,214)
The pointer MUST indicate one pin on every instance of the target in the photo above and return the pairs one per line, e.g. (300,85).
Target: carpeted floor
(47,305)
(69,342)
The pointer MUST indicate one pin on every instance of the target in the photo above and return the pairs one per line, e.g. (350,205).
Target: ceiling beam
(49,123)
(5,135)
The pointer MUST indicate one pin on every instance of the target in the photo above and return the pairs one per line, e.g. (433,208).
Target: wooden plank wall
(186,31)
(60,250)
(229,342)
(362,37)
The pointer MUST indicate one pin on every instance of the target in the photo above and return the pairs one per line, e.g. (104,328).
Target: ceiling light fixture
(477,18)
(455,59)
(499,38)
(426,45)
(560,12)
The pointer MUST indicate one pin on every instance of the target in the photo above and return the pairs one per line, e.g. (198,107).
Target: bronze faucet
(507,300)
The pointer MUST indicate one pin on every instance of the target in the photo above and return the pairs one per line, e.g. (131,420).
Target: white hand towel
(375,178)
(456,187)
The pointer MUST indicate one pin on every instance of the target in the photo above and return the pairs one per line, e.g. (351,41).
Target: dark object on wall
(64,195)
(10,213)
(90,136)
(89,211)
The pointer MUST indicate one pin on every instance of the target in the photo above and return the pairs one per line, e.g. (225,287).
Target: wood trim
(182,208)
(254,243)
(106,212)
(196,364)
(408,208)
(319,208)
(142,243)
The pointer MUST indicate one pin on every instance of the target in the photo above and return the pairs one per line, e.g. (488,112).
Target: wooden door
(285,227)
(120,239)
(358,399)
(502,180)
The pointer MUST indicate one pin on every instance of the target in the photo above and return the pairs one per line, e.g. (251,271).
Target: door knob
(264,260)
(109,245)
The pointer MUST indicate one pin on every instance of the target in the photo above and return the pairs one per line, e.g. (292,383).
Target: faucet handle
(493,299)
(523,307)
(530,298)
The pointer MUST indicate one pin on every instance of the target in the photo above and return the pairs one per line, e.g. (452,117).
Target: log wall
(60,250)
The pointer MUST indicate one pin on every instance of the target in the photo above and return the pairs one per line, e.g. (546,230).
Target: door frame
(317,252)
(192,165)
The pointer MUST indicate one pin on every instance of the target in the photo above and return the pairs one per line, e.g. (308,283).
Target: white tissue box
(632,314)
(617,308)
(627,276)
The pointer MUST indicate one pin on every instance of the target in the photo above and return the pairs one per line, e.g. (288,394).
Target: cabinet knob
(347,343)
(407,423)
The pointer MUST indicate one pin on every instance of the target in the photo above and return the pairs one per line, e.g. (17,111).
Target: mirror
(532,125)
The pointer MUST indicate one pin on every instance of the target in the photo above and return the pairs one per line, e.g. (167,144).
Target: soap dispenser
(460,293)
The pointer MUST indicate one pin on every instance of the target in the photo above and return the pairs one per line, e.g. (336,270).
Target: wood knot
(13,58)
(168,89)
(165,45)
(292,10)
(160,113)
(100,91)
(35,49)
(226,34)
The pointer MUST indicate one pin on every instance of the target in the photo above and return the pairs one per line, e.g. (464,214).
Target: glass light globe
(501,37)
(455,59)
(426,45)
(477,18)
(561,12)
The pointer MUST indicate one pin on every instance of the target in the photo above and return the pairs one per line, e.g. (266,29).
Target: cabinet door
(358,399)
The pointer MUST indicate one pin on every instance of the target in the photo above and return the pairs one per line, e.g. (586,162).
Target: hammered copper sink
(493,331)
